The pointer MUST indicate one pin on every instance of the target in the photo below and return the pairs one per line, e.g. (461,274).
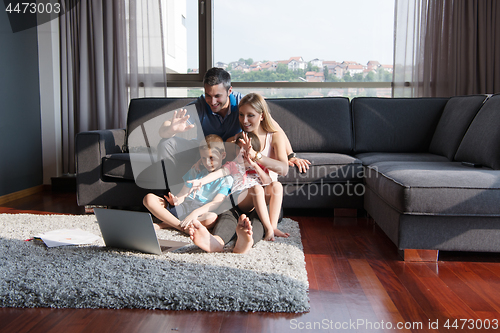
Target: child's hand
(188,220)
(247,159)
(269,236)
(173,200)
(170,198)
(280,233)
(184,224)
(195,185)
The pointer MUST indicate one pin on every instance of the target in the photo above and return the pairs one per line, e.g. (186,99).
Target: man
(218,114)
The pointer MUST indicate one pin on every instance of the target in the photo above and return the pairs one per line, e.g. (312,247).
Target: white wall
(50,99)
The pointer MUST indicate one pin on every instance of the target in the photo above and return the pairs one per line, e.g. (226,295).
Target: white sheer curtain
(111,51)
(446,47)
(407,46)
(146,48)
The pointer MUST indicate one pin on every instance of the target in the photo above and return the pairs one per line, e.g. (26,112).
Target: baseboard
(21,194)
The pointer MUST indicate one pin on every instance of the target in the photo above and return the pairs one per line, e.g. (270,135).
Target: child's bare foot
(244,232)
(279,233)
(203,238)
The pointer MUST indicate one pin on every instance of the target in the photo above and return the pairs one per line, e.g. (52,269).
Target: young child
(249,178)
(180,210)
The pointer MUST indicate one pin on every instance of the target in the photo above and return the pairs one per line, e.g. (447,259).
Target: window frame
(205,50)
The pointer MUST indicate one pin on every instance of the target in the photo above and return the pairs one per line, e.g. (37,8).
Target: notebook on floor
(132,231)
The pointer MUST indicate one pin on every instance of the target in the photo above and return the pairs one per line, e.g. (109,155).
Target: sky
(351,30)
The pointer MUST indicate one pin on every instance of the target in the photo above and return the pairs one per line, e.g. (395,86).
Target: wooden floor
(358,283)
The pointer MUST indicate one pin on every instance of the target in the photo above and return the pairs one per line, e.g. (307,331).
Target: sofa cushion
(371,158)
(326,168)
(117,166)
(436,188)
(149,174)
(456,119)
(318,125)
(395,124)
(482,140)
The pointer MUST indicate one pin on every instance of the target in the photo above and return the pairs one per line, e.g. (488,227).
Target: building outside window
(295,48)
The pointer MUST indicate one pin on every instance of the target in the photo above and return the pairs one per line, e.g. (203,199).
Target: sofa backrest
(315,125)
(455,120)
(481,143)
(395,124)
(151,112)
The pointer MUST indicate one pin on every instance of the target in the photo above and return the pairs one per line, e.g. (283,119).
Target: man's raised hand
(177,124)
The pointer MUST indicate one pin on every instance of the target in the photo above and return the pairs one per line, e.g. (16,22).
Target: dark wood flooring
(358,283)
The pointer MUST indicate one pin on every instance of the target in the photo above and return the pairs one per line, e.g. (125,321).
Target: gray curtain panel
(109,49)
(446,48)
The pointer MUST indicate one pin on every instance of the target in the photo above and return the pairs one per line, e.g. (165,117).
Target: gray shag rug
(271,277)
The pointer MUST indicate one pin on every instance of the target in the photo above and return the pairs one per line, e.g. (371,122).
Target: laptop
(132,231)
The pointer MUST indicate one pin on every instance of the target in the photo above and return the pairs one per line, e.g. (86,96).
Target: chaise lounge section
(425,202)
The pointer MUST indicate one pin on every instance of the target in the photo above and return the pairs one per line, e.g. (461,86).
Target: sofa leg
(412,255)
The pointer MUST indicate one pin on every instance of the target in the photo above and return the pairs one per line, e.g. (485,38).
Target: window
(297,48)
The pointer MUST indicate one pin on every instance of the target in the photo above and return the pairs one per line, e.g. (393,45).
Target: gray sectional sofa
(400,159)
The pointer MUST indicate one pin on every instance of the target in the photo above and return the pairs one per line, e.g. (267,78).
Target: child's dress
(243,177)
(246,177)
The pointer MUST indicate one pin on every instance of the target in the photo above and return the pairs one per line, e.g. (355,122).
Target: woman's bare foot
(202,238)
(244,232)
(269,236)
(279,233)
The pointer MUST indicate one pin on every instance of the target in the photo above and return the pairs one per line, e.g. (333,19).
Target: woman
(254,118)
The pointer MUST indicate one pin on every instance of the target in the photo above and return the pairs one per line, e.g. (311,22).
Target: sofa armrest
(90,148)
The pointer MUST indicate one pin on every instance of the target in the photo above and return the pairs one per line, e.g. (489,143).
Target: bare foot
(279,233)
(203,238)
(156,226)
(244,232)
(269,236)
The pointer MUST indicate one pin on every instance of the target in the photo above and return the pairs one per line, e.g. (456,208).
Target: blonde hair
(213,142)
(258,103)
